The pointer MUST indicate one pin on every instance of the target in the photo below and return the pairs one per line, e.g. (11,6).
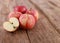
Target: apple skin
(14,14)
(21,9)
(34,13)
(27,21)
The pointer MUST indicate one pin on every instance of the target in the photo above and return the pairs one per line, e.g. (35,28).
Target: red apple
(14,14)
(21,9)
(34,13)
(27,21)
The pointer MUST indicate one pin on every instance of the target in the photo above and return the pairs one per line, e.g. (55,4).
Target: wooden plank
(44,31)
(6,6)
(50,8)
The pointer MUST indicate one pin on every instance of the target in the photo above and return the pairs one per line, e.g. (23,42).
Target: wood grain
(51,11)
(46,30)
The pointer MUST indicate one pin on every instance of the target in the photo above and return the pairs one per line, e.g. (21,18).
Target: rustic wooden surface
(46,30)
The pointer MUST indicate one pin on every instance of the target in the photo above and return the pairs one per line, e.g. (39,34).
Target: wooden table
(46,30)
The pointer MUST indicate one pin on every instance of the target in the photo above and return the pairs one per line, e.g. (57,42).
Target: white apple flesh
(14,21)
(11,25)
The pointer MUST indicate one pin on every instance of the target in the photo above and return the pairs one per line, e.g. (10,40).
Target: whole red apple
(21,9)
(27,21)
(34,13)
(14,14)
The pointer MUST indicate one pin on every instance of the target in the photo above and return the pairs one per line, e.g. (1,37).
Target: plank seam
(28,36)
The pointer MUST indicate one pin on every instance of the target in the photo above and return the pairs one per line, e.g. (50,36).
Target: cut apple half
(14,21)
(11,25)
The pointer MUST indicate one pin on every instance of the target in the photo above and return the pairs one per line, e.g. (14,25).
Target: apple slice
(11,25)
(14,21)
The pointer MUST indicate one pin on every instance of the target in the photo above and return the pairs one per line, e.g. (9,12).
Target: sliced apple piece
(14,21)
(9,27)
